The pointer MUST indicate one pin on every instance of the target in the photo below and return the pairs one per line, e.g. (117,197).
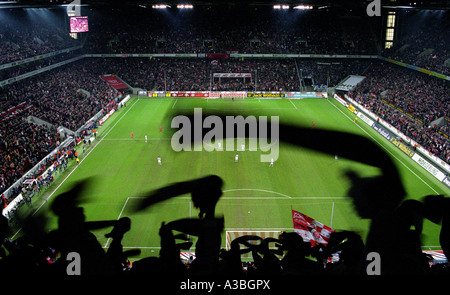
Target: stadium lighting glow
(185,6)
(303,7)
(277,6)
(159,6)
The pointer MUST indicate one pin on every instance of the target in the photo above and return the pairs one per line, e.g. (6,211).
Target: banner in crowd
(214,55)
(114,82)
(311,230)
(399,109)
(37,57)
(232,75)
(14,111)
(39,71)
(415,68)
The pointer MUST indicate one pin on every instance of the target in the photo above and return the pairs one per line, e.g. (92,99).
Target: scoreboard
(79,24)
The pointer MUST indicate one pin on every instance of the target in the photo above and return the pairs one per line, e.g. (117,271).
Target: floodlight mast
(160,6)
(279,6)
(185,6)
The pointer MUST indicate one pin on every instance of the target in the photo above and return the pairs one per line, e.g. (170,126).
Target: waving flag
(311,230)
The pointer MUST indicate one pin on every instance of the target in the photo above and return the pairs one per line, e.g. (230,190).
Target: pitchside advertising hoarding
(428,161)
(227,94)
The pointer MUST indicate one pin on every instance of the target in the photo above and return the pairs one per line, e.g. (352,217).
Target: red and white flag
(311,230)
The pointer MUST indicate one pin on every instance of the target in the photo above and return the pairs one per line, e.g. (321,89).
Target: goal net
(231,235)
(228,94)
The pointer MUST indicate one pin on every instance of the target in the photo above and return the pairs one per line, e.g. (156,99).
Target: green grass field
(256,197)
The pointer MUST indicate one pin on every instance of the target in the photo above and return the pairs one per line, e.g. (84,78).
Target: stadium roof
(412,4)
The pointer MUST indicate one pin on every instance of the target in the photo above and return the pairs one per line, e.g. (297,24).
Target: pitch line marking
(136,139)
(258,190)
(75,168)
(174,103)
(293,104)
(373,138)
(260,198)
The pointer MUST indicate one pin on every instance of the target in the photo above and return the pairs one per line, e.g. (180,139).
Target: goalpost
(231,235)
(246,80)
(228,95)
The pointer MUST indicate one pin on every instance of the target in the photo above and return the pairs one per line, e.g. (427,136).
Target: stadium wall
(39,71)
(17,200)
(233,55)
(38,57)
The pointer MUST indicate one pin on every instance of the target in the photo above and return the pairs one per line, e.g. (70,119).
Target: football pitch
(256,197)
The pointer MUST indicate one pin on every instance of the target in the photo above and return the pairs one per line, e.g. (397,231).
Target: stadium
(230,138)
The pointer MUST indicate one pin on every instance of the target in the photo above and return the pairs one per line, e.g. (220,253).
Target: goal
(227,94)
(231,235)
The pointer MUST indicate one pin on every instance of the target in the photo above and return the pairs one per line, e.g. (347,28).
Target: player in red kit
(131,134)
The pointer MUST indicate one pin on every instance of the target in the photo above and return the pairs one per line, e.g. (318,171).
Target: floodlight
(185,6)
(303,7)
(159,6)
(278,6)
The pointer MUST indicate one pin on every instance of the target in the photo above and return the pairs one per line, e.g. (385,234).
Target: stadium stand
(309,34)
(407,99)
(423,45)
(394,92)
(21,38)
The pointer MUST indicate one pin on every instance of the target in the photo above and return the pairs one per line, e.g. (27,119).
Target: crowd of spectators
(394,235)
(66,97)
(270,75)
(211,31)
(330,72)
(423,97)
(423,42)
(57,94)
(23,145)
(34,65)
(23,36)
(167,74)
